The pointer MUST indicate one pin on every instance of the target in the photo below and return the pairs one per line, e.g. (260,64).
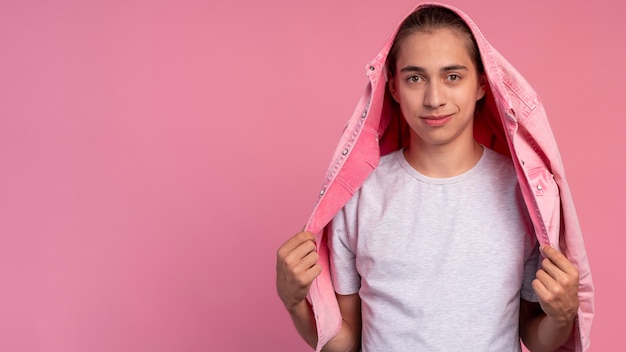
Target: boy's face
(437,85)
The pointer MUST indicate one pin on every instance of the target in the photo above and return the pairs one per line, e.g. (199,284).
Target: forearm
(304,321)
(347,339)
(543,333)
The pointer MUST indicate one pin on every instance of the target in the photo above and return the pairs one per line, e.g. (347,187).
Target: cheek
(466,98)
(408,104)
(410,97)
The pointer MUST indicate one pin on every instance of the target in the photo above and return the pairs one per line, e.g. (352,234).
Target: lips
(436,121)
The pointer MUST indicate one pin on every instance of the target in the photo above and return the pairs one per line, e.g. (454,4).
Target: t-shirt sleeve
(531,266)
(345,277)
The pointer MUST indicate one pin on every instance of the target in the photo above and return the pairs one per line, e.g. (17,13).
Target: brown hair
(429,19)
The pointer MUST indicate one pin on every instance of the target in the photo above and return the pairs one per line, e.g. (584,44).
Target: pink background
(154,154)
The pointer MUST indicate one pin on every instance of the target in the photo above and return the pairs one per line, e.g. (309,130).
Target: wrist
(298,307)
(560,322)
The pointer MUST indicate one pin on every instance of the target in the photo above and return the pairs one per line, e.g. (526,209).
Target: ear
(393,87)
(482,84)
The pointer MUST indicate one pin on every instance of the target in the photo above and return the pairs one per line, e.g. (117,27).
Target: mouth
(436,120)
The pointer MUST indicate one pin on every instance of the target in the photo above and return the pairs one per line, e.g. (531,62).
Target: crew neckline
(442,180)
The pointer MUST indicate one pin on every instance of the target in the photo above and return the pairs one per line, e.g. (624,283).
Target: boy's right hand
(296,268)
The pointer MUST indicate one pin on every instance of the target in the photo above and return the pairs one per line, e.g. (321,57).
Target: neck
(445,160)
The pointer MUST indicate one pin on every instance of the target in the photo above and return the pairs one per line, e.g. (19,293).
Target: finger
(552,269)
(558,259)
(309,260)
(303,250)
(313,272)
(540,289)
(293,260)
(306,277)
(554,289)
(547,281)
(294,241)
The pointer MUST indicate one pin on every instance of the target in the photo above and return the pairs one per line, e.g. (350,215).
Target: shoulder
(388,165)
(499,165)
(389,160)
(386,175)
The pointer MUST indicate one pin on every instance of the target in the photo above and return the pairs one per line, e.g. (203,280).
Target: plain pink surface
(154,155)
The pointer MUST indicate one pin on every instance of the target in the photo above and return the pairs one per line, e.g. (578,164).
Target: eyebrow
(443,69)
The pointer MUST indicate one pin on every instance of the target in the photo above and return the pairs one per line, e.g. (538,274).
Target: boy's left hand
(556,286)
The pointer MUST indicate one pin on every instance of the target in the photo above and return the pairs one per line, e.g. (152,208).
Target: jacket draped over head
(510,120)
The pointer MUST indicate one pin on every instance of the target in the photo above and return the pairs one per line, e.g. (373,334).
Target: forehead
(434,49)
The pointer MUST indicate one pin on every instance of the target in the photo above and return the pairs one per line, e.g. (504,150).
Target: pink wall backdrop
(154,154)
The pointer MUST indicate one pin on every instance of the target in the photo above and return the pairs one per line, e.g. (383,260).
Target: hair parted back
(430,19)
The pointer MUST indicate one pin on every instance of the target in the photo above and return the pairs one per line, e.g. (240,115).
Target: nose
(435,95)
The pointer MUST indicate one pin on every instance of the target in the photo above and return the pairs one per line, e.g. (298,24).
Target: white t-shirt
(439,263)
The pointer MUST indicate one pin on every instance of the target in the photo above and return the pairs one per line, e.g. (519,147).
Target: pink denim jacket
(511,120)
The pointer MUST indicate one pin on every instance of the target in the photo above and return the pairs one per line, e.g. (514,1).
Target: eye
(414,79)
(453,77)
